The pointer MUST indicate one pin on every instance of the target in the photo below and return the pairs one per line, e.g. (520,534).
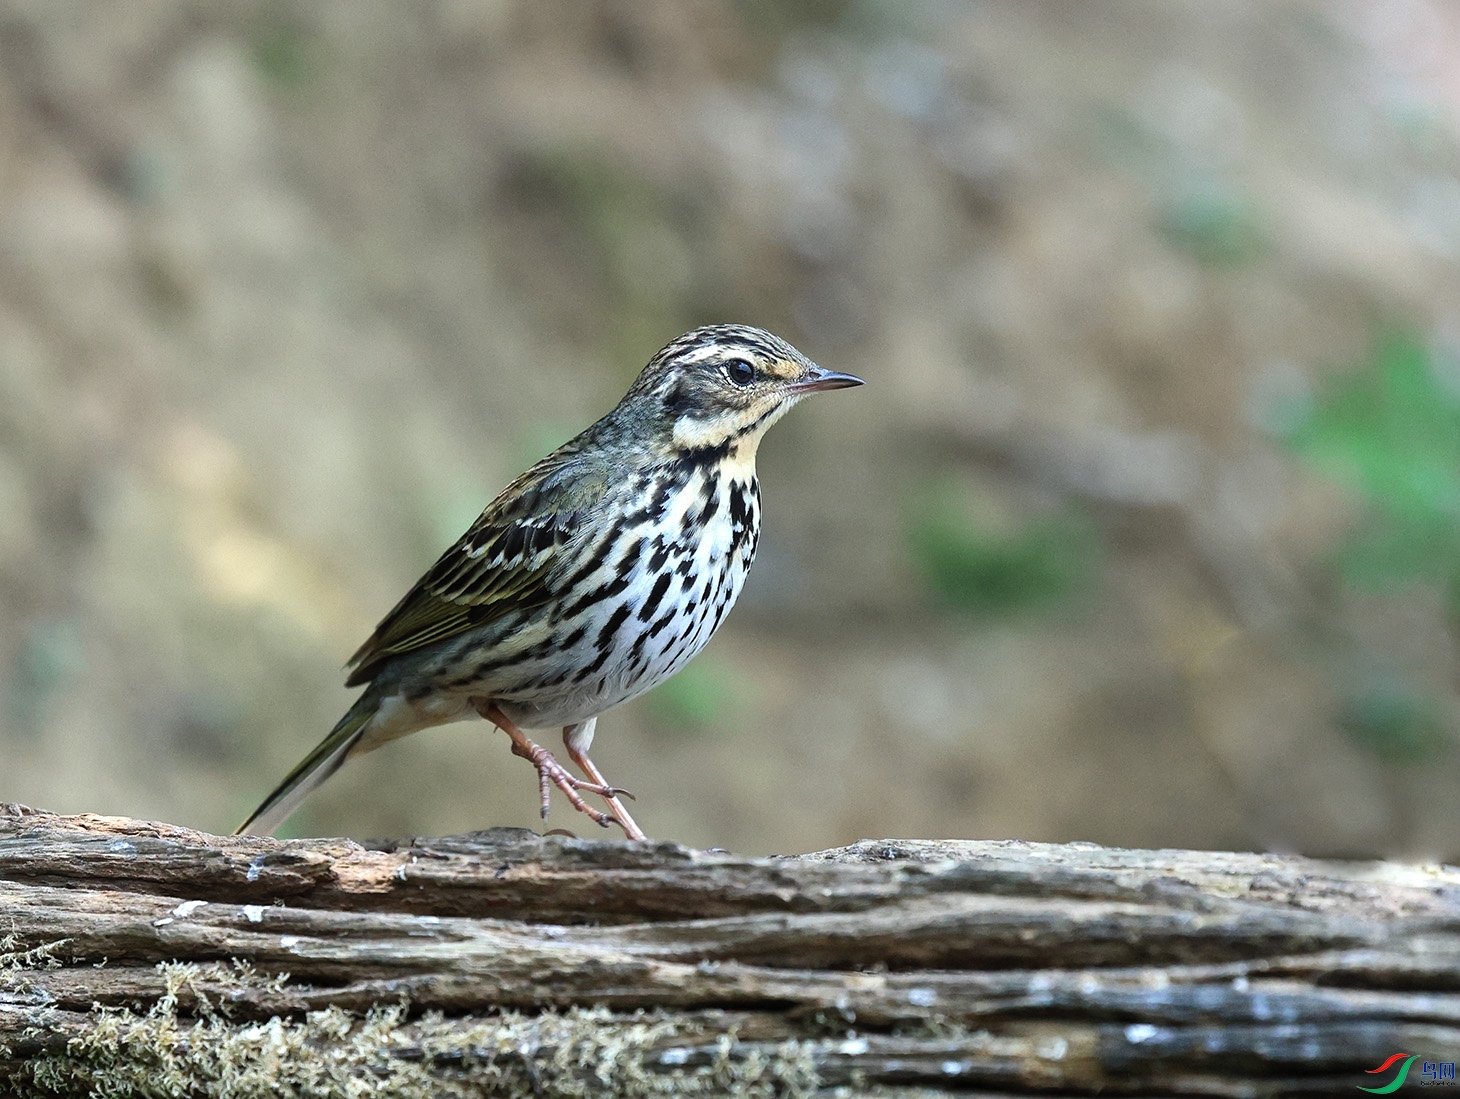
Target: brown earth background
(289,291)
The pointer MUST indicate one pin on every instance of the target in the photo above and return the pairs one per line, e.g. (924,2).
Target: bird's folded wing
(502,564)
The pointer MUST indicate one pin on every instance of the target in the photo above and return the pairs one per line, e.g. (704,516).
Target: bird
(594,576)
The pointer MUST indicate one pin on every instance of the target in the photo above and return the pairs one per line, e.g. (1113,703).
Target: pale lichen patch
(187,1044)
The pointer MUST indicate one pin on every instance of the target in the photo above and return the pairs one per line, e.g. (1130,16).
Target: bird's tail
(313,769)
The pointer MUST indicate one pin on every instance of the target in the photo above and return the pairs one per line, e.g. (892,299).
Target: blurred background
(1145,530)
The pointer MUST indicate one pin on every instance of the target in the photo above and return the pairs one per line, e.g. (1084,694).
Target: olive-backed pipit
(597,574)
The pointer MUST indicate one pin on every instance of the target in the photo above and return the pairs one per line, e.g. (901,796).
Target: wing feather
(505,562)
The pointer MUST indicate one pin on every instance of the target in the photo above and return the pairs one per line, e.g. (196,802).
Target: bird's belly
(628,643)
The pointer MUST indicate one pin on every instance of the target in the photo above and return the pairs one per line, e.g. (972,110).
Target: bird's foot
(551,773)
(616,807)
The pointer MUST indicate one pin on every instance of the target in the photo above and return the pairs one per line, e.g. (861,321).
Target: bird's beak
(819,379)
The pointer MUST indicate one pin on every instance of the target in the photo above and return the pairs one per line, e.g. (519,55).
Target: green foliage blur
(694,700)
(286,54)
(975,567)
(1390,430)
(1396,722)
(1217,225)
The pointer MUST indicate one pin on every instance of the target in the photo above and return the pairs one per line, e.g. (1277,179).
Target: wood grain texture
(888,967)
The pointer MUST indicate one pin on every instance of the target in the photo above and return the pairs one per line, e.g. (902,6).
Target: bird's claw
(551,773)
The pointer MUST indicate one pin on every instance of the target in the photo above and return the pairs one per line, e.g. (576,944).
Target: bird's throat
(727,433)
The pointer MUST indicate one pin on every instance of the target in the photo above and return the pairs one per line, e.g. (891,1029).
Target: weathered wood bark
(505,963)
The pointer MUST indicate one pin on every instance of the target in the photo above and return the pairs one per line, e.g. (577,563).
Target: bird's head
(719,387)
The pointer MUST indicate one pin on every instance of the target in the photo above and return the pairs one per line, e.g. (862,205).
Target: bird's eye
(739,372)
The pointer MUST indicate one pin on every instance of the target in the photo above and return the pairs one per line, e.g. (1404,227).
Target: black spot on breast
(636,654)
(744,527)
(739,509)
(617,584)
(656,595)
(720,609)
(623,574)
(702,511)
(615,620)
(660,623)
(588,568)
(592,669)
(666,487)
(690,462)
(542,648)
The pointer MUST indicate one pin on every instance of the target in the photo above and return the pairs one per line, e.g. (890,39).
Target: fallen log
(148,959)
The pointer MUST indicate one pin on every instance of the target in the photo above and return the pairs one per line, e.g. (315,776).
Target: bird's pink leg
(620,814)
(549,770)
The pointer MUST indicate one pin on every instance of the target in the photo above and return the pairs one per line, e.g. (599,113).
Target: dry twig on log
(148,959)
